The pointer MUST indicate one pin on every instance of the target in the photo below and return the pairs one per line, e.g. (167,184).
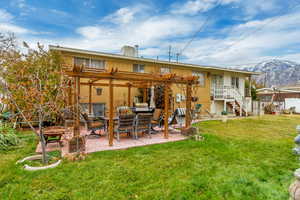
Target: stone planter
(37,157)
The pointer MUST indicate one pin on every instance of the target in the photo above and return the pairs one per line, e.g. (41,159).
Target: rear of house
(219,89)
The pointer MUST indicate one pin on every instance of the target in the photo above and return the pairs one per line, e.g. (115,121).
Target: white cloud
(252,8)
(193,7)
(6,23)
(146,32)
(126,15)
(5,16)
(245,45)
(4,27)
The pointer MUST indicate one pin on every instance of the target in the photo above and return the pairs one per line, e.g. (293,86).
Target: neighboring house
(219,88)
(284,97)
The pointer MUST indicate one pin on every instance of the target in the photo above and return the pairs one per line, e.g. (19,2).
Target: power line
(199,30)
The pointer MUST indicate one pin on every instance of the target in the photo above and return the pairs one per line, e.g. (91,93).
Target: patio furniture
(124,110)
(197,111)
(106,122)
(142,108)
(178,117)
(143,124)
(68,118)
(156,119)
(54,134)
(93,124)
(125,125)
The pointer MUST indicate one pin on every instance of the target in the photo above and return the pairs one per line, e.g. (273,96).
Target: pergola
(95,77)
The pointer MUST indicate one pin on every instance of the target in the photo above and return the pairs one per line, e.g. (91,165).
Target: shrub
(8,136)
(224,112)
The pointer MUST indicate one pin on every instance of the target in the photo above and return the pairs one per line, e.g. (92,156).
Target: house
(284,97)
(219,89)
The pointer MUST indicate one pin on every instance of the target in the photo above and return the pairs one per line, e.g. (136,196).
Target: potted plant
(224,116)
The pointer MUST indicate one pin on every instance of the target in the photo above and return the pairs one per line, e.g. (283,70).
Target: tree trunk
(42,139)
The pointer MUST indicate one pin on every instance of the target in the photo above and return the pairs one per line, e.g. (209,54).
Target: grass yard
(242,159)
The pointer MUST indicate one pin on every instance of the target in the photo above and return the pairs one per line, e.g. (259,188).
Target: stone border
(37,157)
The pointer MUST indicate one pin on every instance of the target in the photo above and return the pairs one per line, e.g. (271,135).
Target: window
(98,64)
(201,77)
(98,109)
(88,62)
(138,68)
(235,82)
(165,70)
(99,91)
(81,61)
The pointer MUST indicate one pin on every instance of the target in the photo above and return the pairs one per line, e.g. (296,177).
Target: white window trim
(165,72)
(196,73)
(139,68)
(90,62)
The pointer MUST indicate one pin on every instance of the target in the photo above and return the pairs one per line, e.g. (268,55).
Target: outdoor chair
(125,125)
(93,124)
(68,118)
(124,110)
(197,111)
(156,119)
(143,124)
(178,117)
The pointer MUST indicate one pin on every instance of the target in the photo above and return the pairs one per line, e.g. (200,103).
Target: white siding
(292,102)
(227,81)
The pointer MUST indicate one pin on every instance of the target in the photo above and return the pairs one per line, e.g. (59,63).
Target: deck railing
(228,93)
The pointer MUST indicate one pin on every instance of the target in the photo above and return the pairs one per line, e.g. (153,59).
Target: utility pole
(170,53)
(265,81)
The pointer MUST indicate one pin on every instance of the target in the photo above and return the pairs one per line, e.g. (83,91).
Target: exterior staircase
(232,98)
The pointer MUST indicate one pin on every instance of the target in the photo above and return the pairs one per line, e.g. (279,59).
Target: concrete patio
(95,144)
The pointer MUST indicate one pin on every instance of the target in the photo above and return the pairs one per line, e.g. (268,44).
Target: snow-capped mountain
(277,72)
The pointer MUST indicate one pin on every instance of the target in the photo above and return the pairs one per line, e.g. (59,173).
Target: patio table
(106,122)
(54,134)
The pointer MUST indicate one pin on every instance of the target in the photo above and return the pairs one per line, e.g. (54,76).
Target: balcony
(226,93)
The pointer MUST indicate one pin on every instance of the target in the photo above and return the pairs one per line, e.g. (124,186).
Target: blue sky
(237,32)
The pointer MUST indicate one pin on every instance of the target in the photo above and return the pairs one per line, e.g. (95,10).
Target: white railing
(229,93)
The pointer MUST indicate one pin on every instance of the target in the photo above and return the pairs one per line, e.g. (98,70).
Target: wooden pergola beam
(129,77)
(115,85)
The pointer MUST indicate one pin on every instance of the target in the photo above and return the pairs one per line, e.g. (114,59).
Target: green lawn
(242,159)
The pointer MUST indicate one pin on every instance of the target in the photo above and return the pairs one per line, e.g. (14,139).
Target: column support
(188,102)
(166,111)
(90,99)
(111,113)
(76,127)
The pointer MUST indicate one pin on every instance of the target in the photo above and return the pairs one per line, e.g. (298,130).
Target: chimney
(136,50)
(128,51)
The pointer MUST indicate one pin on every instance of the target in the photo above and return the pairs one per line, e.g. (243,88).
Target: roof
(271,91)
(110,55)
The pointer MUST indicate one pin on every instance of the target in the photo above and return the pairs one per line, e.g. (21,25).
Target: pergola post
(70,93)
(111,113)
(129,95)
(166,119)
(145,95)
(188,105)
(90,99)
(76,107)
